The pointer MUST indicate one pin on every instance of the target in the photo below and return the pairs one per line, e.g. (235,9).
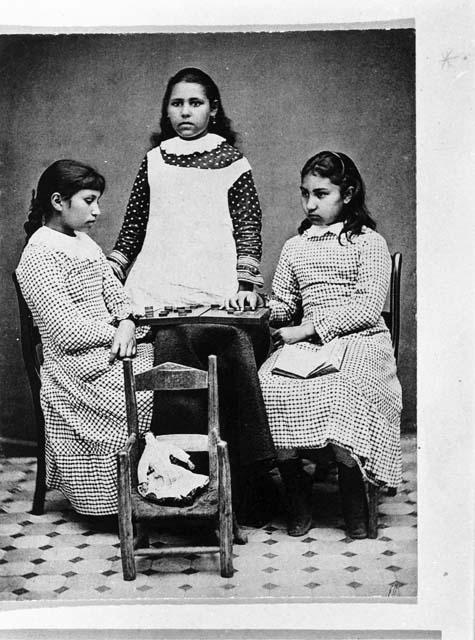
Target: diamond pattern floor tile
(58,557)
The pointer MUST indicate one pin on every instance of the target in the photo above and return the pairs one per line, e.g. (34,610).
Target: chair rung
(175,551)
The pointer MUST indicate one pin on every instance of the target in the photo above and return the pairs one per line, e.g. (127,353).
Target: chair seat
(204,506)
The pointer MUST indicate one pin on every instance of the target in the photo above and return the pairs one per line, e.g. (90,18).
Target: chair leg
(373,499)
(126,535)
(38,507)
(225,513)
(126,530)
(226,546)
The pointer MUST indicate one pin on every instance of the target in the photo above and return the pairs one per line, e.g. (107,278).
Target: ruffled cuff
(279,315)
(323,328)
(248,270)
(119,264)
(141,332)
(124,313)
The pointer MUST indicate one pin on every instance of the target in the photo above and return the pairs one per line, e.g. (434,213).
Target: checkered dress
(342,289)
(75,300)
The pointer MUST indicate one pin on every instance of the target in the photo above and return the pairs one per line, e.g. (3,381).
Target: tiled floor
(57,557)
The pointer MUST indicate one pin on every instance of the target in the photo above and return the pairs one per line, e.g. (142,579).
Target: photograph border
(444,55)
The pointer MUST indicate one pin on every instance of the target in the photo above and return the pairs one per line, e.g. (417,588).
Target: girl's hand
(291,335)
(123,345)
(242,299)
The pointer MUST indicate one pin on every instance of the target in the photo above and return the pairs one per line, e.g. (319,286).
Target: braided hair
(341,171)
(65,177)
(220,124)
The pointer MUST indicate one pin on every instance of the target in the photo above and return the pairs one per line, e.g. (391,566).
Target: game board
(194,314)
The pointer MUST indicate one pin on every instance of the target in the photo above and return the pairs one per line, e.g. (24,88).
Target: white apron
(189,252)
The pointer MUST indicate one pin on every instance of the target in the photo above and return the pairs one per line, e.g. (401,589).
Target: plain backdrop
(97,97)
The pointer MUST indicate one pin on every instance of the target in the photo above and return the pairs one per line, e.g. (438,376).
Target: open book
(300,360)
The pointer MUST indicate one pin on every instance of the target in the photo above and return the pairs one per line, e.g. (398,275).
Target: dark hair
(341,171)
(220,124)
(65,177)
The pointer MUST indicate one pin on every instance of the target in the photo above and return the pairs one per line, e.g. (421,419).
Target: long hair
(341,171)
(220,124)
(65,177)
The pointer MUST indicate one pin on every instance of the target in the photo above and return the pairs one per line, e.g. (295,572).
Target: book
(301,360)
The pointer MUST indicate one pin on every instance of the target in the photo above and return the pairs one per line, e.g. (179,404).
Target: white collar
(79,245)
(316,232)
(180,147)
(52,238)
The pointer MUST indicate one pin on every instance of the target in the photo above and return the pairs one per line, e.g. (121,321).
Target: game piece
(202,314)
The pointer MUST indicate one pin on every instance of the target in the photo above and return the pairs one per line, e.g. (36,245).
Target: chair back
(393,316)
(170,376)
(30,337)
(32,353)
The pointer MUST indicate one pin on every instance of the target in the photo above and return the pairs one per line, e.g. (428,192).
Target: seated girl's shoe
(353,501)
(298,489)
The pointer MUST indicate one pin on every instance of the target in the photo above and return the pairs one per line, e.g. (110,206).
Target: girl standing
(337,271)
(193,228)
(193,221)
(84,319)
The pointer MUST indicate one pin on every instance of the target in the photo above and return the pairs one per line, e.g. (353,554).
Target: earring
(213,120)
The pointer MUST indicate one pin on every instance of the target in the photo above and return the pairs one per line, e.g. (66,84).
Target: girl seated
(337,272)
(85,323)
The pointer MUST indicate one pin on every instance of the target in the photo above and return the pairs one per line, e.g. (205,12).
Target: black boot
(298,489)
(255,494)
(353,501)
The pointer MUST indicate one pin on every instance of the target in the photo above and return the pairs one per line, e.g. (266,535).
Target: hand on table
(243,299)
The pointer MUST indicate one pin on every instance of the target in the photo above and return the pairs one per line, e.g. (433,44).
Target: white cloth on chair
(162,479)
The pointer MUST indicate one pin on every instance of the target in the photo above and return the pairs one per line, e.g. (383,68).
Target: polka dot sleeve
(132,234)
(246,215)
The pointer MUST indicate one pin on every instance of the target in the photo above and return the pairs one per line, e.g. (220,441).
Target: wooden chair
(213,505)
(392,319)
(33,359)
(393,316)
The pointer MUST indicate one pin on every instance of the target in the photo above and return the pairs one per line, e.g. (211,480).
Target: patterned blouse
(243,204)
(341,287)
(77,302)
